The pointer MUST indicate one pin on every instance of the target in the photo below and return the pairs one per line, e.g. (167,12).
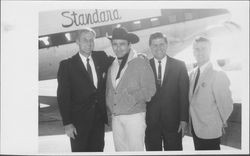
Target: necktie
(159,74)
(196,79)
(122,64)
(89,70)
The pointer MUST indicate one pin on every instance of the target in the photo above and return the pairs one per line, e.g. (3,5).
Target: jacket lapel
(203,77)
(152,63)
(109,82)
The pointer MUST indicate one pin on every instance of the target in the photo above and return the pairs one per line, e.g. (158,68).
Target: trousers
(129,132)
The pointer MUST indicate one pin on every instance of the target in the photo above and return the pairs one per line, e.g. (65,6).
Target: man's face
(86,42)
(158,48)
(201,51)
(120,47)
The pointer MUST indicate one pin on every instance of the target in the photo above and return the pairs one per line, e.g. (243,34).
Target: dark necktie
(89,70)
(159,74)
(196,79)
(122,63)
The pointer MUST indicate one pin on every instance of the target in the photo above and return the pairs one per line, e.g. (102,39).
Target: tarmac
(52,139)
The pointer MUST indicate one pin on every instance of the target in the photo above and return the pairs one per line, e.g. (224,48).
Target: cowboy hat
(122,33)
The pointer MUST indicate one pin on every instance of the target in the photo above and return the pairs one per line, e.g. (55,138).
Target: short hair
(79,32)
(157,35)
(201,39)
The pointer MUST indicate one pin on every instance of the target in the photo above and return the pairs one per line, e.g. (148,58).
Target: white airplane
(56,30)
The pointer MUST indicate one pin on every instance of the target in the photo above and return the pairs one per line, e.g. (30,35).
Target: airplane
(57,30)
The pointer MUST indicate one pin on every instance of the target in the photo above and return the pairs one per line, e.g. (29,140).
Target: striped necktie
(196,79)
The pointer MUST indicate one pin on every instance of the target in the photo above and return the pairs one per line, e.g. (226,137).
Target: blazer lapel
(203,77)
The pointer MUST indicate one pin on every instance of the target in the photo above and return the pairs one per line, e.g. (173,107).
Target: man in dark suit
(81,94)
(167,112)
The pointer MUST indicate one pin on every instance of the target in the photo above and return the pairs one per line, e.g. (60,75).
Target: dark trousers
(89,139)
(156,137)
(205,144)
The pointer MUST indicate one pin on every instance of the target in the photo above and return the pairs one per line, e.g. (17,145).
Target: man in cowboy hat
(130,84)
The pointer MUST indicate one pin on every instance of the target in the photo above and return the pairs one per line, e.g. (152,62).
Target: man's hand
(223,128)
(70,130)
(182,127)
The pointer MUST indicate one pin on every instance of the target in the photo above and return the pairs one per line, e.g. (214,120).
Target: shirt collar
(204,66)
(163,60)
(85,58)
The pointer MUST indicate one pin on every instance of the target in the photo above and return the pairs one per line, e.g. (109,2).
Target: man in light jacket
(210,99)
(130,84)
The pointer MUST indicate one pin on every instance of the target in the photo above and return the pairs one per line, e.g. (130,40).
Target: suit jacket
(211,103)
(135,88)
(79,101)
(170,104)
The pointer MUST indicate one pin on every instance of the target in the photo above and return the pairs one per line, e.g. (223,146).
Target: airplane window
(155,22)
(172,18)
(58,39)
(116,25)
(136,25)
(44,40)
(188,16)
(68,36)
(41,44)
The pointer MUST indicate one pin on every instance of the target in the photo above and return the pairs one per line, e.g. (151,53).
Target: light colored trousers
(129,132)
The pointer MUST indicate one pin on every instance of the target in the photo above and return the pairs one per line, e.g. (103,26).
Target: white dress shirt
(92,65)
(163,65)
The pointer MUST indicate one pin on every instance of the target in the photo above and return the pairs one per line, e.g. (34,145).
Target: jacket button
(114,104)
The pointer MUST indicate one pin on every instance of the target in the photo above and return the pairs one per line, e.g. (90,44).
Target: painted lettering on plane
(89,18)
